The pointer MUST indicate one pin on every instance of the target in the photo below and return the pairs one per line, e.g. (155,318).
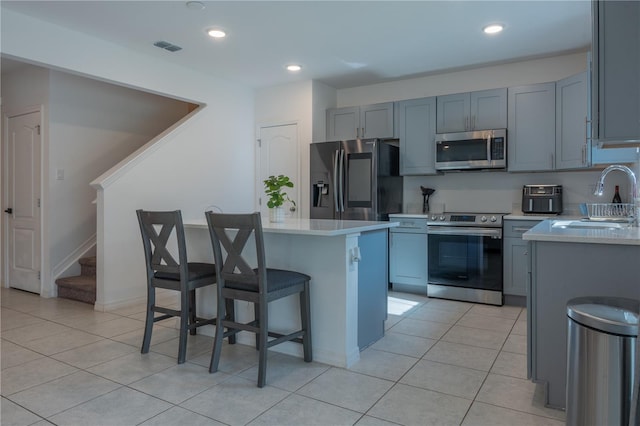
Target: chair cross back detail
(234,261)
(161,258)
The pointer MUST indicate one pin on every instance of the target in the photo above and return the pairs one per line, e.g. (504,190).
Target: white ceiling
(341,43)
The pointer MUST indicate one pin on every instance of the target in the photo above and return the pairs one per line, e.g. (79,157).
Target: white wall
(505,75)
(203,162)
(93,125)
(304,103)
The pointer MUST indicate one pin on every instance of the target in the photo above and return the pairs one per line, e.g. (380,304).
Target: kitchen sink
(587,224)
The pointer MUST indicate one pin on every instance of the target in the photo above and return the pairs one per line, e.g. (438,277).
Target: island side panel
(373,284)
(561,272)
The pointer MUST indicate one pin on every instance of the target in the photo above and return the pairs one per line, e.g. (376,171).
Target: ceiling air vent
(167,46)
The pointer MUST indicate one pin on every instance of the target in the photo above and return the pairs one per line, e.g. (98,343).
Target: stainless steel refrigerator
(355,180)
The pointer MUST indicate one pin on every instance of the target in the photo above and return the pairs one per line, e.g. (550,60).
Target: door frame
(259,187)
(46,289)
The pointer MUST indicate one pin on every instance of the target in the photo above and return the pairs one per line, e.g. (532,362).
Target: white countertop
(409,216)
(320,227)
(544,231)
(528,216)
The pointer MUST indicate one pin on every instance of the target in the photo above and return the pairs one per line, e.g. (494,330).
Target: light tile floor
(440,362)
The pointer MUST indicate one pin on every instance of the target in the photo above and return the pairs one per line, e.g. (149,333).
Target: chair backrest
(234,266)
(158,235)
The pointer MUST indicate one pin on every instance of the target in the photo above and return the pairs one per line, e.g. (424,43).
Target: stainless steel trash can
(601,348)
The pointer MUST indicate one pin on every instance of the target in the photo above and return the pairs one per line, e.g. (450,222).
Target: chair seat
(197,271)
(277,279)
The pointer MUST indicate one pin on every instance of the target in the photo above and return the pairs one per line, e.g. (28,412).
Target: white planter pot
(276,215)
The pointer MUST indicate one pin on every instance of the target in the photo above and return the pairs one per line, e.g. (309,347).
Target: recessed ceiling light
(293,67)
(493,28)
(216,33)
(195,5)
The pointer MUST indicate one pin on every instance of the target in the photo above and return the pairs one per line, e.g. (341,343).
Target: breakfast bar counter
(347,262)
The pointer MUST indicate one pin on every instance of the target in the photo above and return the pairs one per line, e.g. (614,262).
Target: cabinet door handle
(473,122)
(466,123)
(521,229)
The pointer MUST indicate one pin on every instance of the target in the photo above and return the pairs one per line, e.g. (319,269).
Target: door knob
(9,210)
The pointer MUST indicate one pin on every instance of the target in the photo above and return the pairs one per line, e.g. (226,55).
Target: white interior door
(23,201)
(278,155)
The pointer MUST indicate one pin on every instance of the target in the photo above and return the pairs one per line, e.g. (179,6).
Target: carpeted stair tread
(88,261)
(81,288)
(80,281)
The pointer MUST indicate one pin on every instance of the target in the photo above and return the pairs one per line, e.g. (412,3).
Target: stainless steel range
(465,257)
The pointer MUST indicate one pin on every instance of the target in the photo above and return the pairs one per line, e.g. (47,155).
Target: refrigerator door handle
(341,176)
(336,184)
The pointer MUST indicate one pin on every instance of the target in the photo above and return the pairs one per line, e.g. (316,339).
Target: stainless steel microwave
(481,149)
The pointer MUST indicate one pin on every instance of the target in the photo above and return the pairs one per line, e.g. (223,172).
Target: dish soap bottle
(616,196)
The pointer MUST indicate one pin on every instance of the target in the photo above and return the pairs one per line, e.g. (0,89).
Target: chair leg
(217,341)
(192,311)
(256,315)
(305,316)
(148,324)
(231,316)
(262,346)
(184,326)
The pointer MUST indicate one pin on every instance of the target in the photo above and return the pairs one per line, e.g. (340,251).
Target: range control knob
(442,218)
(483,219)
(494,219)
(434,217)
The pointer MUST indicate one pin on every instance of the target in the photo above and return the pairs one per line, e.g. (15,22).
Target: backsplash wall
(501,192)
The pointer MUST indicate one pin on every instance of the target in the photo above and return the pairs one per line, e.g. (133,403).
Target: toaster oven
(541,199)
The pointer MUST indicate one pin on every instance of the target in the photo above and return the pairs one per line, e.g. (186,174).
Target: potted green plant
(274,188)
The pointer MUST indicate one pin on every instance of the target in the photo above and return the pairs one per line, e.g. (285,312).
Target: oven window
(466,150)
(465,261)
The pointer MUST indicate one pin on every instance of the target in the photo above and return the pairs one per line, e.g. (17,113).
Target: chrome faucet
(633,185)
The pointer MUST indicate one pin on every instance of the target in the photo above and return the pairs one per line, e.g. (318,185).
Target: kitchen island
(347,262)
(569,262)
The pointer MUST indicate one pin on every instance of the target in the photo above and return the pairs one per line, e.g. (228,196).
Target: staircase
(83,286)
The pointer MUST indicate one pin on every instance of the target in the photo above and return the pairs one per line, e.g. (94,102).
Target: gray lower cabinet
(560,272)
(616,72)
(531,133)
(367,121)
(516,257)
(480,110)
(408,262)
(417,131)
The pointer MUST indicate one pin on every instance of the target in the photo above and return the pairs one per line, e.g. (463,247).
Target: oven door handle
(470,232)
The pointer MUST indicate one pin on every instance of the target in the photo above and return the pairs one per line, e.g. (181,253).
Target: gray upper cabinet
(481,110)
(531,132)
(369,121)
(417,131)
(343,123)
(572,147)
(616,72)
